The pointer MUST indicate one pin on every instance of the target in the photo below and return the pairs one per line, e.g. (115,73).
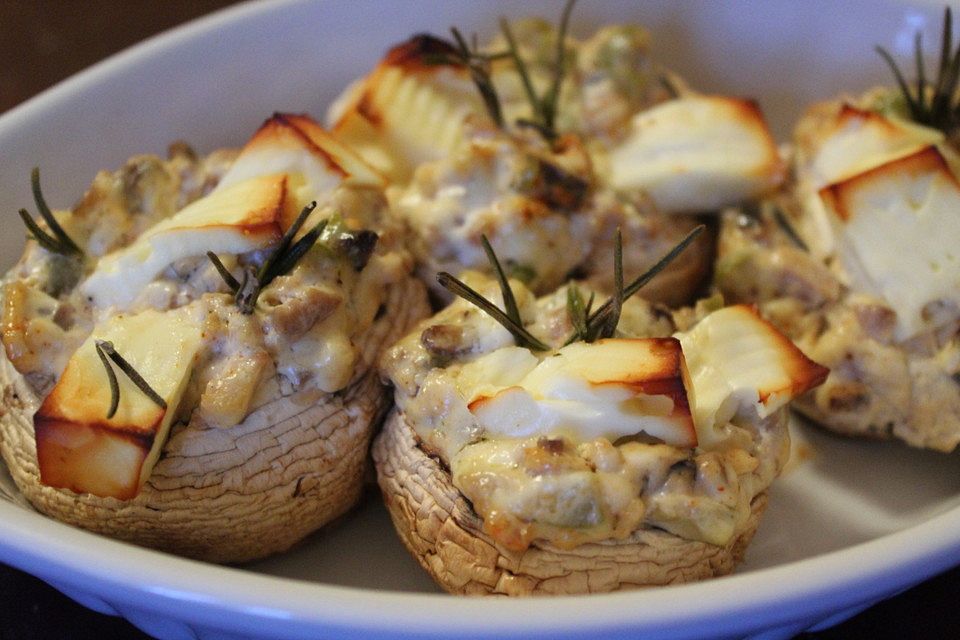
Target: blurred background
(46,41)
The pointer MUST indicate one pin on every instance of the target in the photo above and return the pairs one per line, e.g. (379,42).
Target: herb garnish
(478,64)
(602,323)
(939,110)
(59,241)
(781,219)
(544,107)
(510,319)
(106,350)
(588,325)
(280,261)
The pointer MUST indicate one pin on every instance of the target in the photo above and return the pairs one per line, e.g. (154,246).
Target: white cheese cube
(740,364)
(234,220)
(78,447)
(698,153)
(898,230)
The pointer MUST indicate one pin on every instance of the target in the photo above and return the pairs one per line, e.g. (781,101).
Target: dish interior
(836,493)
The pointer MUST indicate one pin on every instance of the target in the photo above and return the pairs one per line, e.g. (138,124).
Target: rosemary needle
(106,349)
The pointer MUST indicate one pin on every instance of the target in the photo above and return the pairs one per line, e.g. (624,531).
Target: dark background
(44,42)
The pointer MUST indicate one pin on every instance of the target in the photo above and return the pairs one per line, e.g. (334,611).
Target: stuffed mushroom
(189,352)
(857,261)
(577,448)
(545,145)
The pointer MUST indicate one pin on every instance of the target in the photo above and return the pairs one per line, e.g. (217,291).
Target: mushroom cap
(439,527)
(241,493)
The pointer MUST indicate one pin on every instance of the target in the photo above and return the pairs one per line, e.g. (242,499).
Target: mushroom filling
(545,450)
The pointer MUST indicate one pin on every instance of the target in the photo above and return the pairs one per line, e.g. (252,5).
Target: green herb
(668,85)
(478,65)
(510,318)
(602,323)
(280,261)
(781,218)
(59,241)
(521,271)
(544,108)
(941,109)
(355,246)
(106,350)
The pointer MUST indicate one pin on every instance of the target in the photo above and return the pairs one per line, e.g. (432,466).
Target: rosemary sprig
(603,322)
(941,109)
(280,261)
(553,95)
(509,300)
(781,219)
(58,241)
(478,65)
(521,68)
(577,310)
(105,350)
(544,107)
(112,377)
(510,318)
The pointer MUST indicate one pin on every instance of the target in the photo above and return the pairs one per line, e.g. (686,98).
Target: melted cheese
(237,219)
(609,389)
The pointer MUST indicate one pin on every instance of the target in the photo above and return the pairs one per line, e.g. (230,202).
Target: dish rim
(239,600)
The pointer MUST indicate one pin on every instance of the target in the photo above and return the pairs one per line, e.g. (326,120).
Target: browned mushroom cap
(240,493)
(439,527)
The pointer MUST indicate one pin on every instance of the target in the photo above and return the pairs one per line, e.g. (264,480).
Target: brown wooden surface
(44,42)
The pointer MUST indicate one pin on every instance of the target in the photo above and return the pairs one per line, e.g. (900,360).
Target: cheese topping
(856,140)
(898,229)
(78,447)
(611,389)
(697,153)
(407,111)
(742,368)
(239,219)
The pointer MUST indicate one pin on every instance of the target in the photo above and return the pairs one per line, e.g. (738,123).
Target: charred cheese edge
(856,140)
(741,365)
(897,227)
(611,388)
(314,160)
(78,448)
(407,111)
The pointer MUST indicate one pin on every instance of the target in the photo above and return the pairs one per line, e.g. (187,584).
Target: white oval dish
(851,523)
